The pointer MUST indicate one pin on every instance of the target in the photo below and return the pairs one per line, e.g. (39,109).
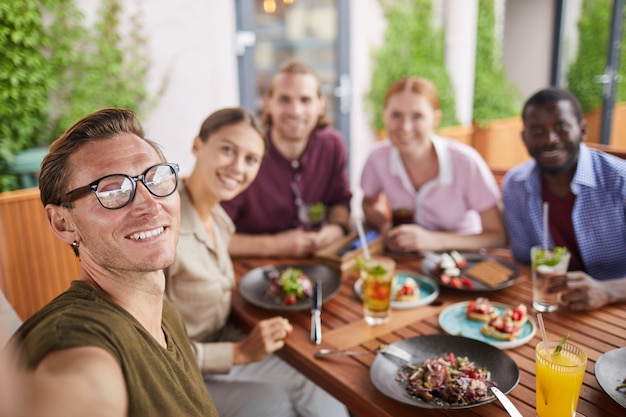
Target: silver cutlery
(508,405)
(383,349)
(316,313)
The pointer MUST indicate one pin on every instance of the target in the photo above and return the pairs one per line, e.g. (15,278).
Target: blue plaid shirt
(598,216)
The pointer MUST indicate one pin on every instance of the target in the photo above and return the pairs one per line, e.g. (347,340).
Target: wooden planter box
(463,134)
(500,143)
(618,127)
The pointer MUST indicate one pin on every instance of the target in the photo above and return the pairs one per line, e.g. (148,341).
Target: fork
(384,349)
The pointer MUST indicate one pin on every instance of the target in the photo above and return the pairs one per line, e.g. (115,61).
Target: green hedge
(54,69)
(412,47)
(594,30)
(495,97)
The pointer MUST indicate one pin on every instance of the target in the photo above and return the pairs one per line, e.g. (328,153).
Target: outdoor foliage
(594,29)
(25,80)
(412,47)
(495,97)
(54,69)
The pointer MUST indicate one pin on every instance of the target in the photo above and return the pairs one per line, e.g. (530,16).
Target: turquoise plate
(454,321)
(429,290)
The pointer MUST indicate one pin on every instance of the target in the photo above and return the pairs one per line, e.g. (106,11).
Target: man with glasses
(586,194)
(300,199)
(110,345)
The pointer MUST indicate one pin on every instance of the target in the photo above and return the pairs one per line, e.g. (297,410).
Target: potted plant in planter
(497,102)
(590,61)
(55,71)
(411,47)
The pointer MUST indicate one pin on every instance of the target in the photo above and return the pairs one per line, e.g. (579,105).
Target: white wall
(367,27)
(192,47)
(191,50)
(528,37)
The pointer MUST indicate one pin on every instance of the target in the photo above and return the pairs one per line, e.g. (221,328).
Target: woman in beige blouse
(241,374)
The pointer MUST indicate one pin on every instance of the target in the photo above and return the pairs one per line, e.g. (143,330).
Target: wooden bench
(619,152)
(35,266)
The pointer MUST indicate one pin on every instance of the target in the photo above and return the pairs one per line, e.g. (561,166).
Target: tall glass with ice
(545,265)
(377,275)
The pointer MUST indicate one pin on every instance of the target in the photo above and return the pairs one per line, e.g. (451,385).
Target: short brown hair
(416,85)
(294,67)
(56,171)
(229,116)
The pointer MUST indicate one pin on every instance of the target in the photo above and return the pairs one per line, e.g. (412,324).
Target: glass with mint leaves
(546,265)
(377,276)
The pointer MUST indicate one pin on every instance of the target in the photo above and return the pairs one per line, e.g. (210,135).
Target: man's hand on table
(580,292)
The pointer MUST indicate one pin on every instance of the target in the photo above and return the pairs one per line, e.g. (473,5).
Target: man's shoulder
(518,174)
(607,161)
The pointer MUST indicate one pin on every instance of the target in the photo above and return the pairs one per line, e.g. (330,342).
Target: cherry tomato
(466,282)
(456,282)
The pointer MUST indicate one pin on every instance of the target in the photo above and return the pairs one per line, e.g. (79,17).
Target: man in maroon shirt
(300,199)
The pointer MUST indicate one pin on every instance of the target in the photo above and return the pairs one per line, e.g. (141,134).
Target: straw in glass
(366,249)
(542,328)
(545,226)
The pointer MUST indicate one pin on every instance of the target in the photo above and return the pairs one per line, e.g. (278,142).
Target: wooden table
(347,378)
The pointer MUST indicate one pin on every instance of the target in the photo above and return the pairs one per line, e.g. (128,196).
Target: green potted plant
(497,101)
(411,47)
(590,62)
(55,70)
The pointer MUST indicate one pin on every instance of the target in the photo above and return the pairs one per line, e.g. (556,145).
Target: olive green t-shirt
(160,382)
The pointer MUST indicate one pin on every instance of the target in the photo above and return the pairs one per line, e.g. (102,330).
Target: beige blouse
(199,283)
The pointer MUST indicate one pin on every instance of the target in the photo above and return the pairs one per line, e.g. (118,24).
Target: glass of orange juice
(377,275)
(559,378)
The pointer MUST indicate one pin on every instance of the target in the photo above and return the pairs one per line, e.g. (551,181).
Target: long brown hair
(230,116)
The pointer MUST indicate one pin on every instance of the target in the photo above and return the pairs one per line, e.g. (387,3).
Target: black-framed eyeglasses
(118,190)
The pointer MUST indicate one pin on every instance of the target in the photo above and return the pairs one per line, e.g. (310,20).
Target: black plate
(428,266)
(253,285)
(504,371)
(610,371)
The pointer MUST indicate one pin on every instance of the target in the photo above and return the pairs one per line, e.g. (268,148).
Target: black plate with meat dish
(383,372)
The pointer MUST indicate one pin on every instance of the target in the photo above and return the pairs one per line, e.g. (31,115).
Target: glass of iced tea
(377,275)
(545,265)
(559,378)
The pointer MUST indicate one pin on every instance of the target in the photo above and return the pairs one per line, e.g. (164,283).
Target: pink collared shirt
(451,202)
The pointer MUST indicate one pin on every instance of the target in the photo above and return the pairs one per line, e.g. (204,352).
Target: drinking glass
(545,265)
(559,379)
(402,216)
(377,275)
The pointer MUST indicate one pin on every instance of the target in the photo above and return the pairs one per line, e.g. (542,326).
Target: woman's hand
(266,337)
(411,237)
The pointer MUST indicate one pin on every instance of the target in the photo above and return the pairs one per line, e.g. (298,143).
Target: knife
(316,313)
(508,405)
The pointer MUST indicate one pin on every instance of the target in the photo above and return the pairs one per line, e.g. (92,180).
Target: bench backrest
(35,266)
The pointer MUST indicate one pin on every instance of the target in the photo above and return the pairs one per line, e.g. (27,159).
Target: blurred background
(176,62)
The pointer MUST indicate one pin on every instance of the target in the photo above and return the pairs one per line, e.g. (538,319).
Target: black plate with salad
(503,371)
